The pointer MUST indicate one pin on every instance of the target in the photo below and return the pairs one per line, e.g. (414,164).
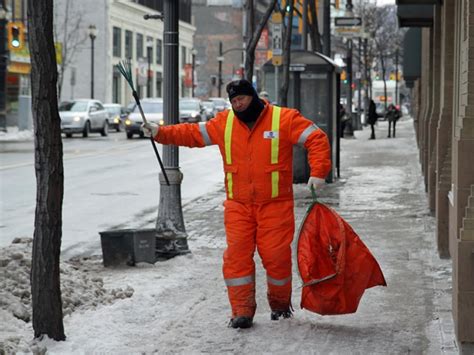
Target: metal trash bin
(128,246)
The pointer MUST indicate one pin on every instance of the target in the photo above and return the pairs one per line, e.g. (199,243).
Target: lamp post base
(171,237)
(170,244)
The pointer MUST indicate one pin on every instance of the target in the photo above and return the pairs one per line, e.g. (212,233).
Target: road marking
(74,155)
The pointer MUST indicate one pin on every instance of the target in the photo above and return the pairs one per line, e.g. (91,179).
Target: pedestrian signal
(15,32)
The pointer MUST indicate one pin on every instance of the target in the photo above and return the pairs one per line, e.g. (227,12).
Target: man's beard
(251,113)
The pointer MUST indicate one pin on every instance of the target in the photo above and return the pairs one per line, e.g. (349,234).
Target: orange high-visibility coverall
(258,212)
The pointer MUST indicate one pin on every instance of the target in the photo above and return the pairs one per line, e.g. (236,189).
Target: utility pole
(193,65)
(396,76)
(349,87)
(3,67)
(359,85)
(92,31)
(149,51)
(220,59)
(349,70)
(305,25)
(171,234)
(327,29)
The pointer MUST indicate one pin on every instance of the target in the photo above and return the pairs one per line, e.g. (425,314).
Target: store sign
(277,39)
(188,75)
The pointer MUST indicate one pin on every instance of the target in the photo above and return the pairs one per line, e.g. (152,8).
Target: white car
(153,110)
(83,116)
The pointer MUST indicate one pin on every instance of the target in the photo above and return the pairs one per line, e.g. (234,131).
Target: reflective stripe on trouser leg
(274,236)
(239,267)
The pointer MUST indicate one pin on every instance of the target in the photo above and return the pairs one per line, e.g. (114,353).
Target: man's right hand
(150,129)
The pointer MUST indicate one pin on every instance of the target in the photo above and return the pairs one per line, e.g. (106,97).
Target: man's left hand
(316,183)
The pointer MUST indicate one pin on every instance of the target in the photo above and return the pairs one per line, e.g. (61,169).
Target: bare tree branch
(253,40)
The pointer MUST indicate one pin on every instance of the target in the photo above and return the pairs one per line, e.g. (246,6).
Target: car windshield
(150,107)
(208,104)
(113,110)
(189,105)
(73,106)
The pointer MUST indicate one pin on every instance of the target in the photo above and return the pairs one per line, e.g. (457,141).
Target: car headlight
(162,122)
(128,122)
(194,114)
(116,119)
(77,119)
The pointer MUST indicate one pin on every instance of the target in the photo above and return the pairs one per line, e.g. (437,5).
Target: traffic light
(344,77)
(16,35)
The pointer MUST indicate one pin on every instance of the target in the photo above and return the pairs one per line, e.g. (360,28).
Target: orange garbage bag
(334,264)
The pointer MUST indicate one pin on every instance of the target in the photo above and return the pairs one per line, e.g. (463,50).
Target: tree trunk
(287,58)
(255,36)
(45,283)
(64,49)
(382,63)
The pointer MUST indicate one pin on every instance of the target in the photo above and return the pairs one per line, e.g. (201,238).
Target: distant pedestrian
(372,118)
(393,114)
(256,142)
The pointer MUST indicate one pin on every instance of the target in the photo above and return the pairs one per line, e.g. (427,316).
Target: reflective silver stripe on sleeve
(240,281)
(205,135)
(304,136)
(276,282)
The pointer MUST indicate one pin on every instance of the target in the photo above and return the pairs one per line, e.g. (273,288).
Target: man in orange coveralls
(256,141)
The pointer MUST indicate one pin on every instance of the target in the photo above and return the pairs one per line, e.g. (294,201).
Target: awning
(415,15)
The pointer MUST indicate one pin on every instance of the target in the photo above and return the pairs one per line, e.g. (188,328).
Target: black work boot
(240,322)
(275,315)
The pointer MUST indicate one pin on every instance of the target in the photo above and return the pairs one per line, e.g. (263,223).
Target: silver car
(191,110)
(83,116)
(210,107)
(153,110)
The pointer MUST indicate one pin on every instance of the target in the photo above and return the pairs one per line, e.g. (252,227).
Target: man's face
(241,102)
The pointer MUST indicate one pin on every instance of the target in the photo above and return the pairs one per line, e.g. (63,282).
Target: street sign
(348,21)
(277,39)
(350,31)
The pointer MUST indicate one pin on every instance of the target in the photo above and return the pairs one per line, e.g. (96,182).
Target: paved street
(109,182)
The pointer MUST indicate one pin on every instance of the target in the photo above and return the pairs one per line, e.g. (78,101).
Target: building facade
(444,122)
(121,33)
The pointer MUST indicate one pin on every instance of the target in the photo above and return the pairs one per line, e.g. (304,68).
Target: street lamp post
(171,233)
(3,67)
(149,51)
(193,64)
(220,59)
(92,31)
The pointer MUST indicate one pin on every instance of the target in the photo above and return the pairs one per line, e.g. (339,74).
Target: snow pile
(13,134)
(80,290)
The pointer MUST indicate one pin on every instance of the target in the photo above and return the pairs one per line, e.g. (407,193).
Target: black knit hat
(240,87)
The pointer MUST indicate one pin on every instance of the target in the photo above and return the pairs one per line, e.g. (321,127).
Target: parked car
(153,110)
(191,110)
(221,104)
(117,116)
(83,116)
(210,108)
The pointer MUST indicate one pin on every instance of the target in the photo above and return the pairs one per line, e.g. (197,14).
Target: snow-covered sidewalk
(181,306)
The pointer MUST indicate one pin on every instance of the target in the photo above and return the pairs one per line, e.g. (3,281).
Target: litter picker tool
(125,69)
